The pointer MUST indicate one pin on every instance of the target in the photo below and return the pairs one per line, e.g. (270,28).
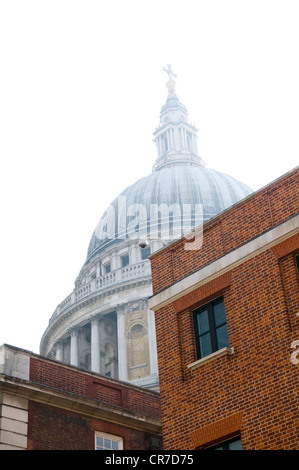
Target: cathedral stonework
(105,324)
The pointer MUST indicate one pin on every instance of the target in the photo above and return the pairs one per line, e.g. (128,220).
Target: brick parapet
(78,382)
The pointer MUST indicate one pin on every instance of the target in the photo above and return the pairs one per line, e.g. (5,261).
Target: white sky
(81,88)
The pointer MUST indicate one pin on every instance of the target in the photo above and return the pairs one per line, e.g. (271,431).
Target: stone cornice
(74,403)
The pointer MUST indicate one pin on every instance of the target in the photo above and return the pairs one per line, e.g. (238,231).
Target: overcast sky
(81,88)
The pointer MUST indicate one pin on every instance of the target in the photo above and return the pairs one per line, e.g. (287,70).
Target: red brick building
(228,327)
(47,405)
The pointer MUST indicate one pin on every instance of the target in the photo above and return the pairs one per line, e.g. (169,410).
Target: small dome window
(125,260)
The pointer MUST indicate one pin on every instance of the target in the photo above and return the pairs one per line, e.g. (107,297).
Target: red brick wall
(258,382)
(52,428)
(90,386)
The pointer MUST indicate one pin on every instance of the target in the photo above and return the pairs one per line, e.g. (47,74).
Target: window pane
(205,345)
(222,337)
(100,441)
(219,314)
(203,322)
(145,252)
(114,445)
(107,443)
(125,260)
(235,445)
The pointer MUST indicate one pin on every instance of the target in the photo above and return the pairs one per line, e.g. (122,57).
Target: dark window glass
(145,252)
(297,263)
(211,328)
(233,444)
(125,260)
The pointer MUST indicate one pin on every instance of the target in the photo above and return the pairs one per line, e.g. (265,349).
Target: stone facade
(106,319)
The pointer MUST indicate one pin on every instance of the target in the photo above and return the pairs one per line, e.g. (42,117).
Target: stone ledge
(211,357)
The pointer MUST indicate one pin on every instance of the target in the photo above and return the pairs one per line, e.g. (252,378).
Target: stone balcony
(101,283)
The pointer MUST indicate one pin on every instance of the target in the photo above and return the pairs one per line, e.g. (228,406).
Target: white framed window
(104,441)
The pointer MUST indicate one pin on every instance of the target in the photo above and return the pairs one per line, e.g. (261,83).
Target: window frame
(110,437)
(209,307)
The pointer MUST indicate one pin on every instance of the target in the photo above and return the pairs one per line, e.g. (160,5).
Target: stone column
(74,347)
(169,139)
(152,342)
(95,345)
(59,351)
(122,347)
(185,137)
(102,335)
(160,146)
(133,254)
(114,261)
(181,138)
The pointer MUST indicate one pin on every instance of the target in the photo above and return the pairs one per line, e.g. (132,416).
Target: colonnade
(177,138)
(100,346)
(107,345)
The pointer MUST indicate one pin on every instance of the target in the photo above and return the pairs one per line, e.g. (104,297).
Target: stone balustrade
(117,276)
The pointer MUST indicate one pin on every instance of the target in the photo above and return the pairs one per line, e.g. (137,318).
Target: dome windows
(125,260)
(107,268)
(145,252)
(164,143)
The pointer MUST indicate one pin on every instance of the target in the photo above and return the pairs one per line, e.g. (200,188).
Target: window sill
(211,357)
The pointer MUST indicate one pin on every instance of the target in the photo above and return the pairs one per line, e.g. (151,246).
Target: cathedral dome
(138,211)
(105,324)
(177,196)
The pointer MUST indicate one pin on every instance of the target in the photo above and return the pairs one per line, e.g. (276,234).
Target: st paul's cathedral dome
(105,325)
